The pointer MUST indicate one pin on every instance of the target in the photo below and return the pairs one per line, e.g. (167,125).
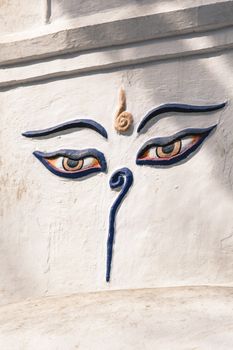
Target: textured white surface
(20,15)
(90,10)
(126,27)
(175,228)
(113,58)
(173,318)
(54,230)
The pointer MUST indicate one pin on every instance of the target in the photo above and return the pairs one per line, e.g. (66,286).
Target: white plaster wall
(179,232)
(21,15)
(174,230)
(20,18)
(70,9)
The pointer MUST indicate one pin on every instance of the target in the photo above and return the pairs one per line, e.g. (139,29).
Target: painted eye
(73,163)
(170,150)
(66,164)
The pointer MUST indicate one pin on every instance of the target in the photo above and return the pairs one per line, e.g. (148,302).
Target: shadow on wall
(77,8)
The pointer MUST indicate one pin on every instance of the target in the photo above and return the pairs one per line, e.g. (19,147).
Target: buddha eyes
(171,150)
(157,152)
(73,163)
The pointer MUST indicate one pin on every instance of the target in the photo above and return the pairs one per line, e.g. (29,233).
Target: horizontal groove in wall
(119,32)
(105,59)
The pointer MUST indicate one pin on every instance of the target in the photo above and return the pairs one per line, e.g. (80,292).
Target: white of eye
(88,162)
(186,142)
(58,163)
(152,152)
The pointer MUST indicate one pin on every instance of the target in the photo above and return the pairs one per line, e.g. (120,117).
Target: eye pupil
(168,148)
(72,164)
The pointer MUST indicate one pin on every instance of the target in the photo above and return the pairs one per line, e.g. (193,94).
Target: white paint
(173,318)
(20,15)
(101,32)
(105,58)
(174,228)
(112,9)
(70,235)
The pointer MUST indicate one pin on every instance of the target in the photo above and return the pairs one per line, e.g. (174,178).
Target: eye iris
(72,164)
(170,150)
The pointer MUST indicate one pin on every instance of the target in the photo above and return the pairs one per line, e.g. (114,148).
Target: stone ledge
(105,59)
(118,32)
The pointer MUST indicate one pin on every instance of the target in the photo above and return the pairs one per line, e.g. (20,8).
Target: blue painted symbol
(122,178)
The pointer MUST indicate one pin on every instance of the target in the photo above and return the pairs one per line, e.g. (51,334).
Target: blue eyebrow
(178,108)
(77,123)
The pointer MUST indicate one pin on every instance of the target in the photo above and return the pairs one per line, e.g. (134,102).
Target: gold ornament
(123,119)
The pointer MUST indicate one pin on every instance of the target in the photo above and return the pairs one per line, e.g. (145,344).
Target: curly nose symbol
(122,178)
